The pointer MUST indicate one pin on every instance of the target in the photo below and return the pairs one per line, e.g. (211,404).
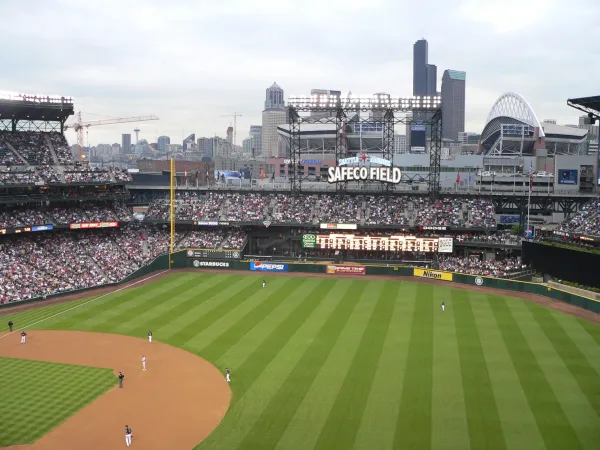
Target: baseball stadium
(365,299)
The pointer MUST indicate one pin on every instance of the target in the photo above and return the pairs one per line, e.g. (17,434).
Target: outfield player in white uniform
(443,307)
(143,363)
(264,284)
(228,375)
(128,434)
(23,337)
(150,336)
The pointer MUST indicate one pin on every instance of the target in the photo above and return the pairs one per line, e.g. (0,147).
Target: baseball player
(150,336)
(264,284)
(143,363)
(443,307)
(227,375)
(10,325)
(128,435)
(23,337)
(121,376)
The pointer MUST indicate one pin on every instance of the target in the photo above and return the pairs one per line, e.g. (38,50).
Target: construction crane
(79,125)
(235,116)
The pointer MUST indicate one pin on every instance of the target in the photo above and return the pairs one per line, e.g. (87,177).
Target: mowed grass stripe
(577,364)
(266,366)
(378,424)
(205,336)
(177,309)
(134,308)
(552,421)
(449,427)
(109,303)
(344,419)
(575,404)
(230,336)
(275,417)
(302,431)
(168,301)
(581,338)
(518,423)
(483,421)
(413,429)
(228,303)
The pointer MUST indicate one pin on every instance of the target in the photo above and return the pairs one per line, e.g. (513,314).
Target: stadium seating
(34,265)
(585,221)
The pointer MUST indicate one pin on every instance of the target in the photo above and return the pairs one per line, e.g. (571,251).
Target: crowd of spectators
(473,266)
(34,265)
(61,148)
(366,210)
(33,175)
(83,212)
(387,210)
(290,209)
(586,221)
(31,145)
(7,157)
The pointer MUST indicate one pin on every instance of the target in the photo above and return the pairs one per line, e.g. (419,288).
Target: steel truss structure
(346,112)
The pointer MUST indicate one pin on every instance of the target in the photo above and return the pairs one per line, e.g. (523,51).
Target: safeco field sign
(309,241)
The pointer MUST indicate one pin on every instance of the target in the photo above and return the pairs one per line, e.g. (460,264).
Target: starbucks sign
(309,241)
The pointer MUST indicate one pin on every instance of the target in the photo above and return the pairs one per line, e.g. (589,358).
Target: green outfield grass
(326,363)
(36,396)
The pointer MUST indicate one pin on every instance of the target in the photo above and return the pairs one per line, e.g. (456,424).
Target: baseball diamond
(324,362)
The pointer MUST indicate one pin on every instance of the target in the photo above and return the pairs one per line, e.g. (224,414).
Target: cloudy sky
(191,62)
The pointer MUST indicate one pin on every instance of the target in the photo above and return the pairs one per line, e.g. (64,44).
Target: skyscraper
(424,74)
(126,143)
(273,115)
(256,139)
(453,103)
(205,147)
(189,142)
(424,84)
(162,141)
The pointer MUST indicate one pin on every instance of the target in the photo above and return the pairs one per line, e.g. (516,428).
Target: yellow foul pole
(172,211)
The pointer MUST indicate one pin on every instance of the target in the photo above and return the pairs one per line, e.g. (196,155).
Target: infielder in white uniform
(128,434)
(23,337)
(443,307)
(143,363)
(227,375)
(150,336)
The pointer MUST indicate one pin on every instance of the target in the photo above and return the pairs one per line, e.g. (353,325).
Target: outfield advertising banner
(566,176)
(347,270)
(309,241)
(433,274)
(268,267)
(87,225)
(213,264)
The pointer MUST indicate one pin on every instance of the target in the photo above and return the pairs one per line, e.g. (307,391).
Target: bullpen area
(318,361)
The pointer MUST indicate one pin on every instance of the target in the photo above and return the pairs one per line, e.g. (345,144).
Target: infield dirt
(174,404)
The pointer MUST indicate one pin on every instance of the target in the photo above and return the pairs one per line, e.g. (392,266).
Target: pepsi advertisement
(567,176)
(261,266)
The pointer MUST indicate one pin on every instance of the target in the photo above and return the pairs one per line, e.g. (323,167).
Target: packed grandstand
(43,188)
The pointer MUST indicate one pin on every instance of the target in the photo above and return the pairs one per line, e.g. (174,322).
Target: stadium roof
(590,105)
(31,110)
(513,106)
(567,132)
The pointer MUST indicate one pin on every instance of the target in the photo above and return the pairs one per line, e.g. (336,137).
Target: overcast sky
(190,62)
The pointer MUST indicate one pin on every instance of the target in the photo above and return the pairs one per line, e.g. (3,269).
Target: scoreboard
(208,253)
(378,243)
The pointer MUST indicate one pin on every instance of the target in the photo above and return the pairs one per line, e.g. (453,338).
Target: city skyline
(500,51)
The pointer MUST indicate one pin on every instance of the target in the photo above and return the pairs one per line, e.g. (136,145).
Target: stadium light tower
(137,135)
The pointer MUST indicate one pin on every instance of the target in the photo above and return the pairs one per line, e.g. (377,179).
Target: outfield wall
(588,303)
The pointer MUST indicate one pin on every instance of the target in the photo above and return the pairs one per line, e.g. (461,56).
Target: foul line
(85,303)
